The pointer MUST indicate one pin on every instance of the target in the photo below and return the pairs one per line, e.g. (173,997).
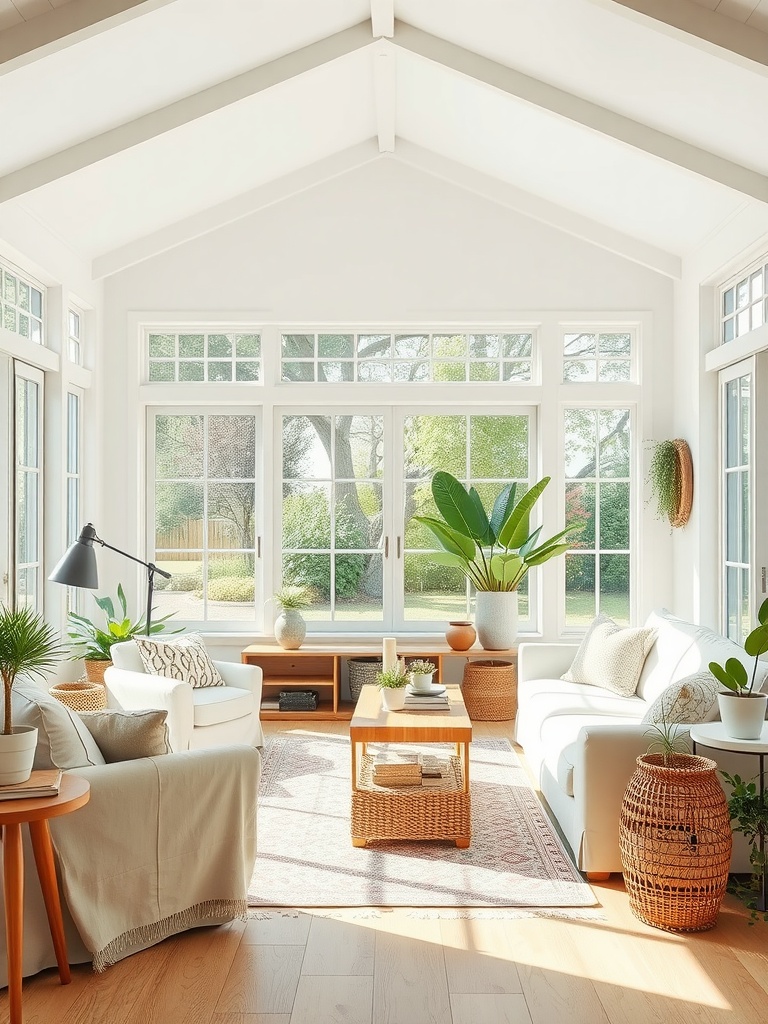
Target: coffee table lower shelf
(411,812)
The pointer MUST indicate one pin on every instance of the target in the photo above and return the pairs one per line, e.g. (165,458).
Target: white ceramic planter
(496,619)
(393,698)
(17,755)
(290,629)
(421,683)
(743,717)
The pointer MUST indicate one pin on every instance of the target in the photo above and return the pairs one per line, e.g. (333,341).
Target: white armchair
(197,717)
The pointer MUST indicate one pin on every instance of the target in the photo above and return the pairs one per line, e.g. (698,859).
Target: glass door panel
(28,433)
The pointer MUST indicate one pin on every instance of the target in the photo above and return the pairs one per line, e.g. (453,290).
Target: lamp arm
(133,558)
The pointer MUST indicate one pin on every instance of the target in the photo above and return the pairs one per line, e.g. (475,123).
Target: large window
(204,501)
(21,305)
(28,506)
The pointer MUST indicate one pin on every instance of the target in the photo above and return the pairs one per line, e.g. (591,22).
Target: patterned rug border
(548,884)
(436,914)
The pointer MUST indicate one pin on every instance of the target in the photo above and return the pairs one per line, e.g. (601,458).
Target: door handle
(386,547)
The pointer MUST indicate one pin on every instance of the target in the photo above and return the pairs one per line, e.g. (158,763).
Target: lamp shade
(78,566)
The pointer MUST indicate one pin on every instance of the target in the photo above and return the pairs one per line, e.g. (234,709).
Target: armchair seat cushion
(216,704)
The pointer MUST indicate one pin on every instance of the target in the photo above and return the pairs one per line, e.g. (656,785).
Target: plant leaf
(506,567)
(762,614)
(516,528)
(525,549)
(544,556)
(502,507)
(757,642)
(448,539)
(457,507)
(736,671)
(489,536)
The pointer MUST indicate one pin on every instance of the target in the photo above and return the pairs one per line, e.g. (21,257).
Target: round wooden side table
(35,811)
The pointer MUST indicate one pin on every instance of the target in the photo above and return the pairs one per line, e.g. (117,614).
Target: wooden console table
(318,667)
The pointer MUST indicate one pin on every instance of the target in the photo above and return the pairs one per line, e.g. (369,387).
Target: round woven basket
(362,671)
(675,839)
(683,483)
(80,696)
(489,689)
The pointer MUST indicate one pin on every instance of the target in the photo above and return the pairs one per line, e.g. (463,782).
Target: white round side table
(713,734)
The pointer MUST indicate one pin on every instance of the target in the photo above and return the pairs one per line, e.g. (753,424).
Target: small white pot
(743,717)
(17,755)
(393,698)
(421,683)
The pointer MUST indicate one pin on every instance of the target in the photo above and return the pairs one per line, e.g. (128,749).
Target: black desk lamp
(78,566)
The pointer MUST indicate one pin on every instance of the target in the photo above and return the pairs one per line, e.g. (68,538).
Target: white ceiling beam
(574,108)
(541,210)
(64,26)
(156,123)
(700,27)
(233,209)
(385,93)
(383,18)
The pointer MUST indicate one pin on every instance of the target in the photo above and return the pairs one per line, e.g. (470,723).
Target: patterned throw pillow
(611,656)
(184,658)
(688,701)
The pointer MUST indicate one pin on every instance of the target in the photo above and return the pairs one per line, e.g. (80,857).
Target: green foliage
(422,668)
(307,525)
(292,597)
(94,643)
(750,817)
(664,479)
(231,588)
(494,552)
(733,675)
(392,679)
(665,740)
(27,645)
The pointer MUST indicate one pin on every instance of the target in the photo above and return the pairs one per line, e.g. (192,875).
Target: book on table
(427,703)
(43,782)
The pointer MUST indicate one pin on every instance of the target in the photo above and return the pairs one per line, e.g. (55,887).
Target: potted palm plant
(495,552)
(28,646)
(741,709)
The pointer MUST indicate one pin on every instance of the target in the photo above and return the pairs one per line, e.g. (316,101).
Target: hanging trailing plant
(670,476)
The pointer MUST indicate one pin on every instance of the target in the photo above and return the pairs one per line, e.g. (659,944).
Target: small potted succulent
(392,683)
(290,627)
(741,709)
(421,673)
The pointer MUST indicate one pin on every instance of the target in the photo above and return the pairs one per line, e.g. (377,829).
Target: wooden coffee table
(410,812)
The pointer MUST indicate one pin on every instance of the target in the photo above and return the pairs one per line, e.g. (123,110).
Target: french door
(27,508)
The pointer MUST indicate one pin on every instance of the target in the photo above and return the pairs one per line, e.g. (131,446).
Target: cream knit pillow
(611,656)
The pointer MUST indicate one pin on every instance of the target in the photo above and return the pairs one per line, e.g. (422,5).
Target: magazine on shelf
(44,782)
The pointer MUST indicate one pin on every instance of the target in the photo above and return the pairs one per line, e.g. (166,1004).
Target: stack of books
(44,782)
(427,702)
(405,774)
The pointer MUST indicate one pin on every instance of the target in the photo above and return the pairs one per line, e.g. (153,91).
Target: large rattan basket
(80,696)
(489,689)
(361,672)
(675,839)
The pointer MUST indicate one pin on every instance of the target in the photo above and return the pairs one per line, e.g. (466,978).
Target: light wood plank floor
(397,969)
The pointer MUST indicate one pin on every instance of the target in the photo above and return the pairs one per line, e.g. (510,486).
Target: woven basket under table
(489,690)
(80,696)
(675,839)
(411,812)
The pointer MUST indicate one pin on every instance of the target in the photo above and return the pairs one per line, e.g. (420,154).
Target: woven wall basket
(675,839)
(80,696)
(489,689)
(683,482)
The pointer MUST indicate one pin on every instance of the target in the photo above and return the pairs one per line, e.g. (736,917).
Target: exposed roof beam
(700,27)
(149,126)
(582,111)
(539,209)
(385,93)
(64,26)
(233,209)
(383,18)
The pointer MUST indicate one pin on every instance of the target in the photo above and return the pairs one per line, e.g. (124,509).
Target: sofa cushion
(673,638)
(611,656)
(216,704)
(184,658)
(690,700)
(560,741)
(128,735)
(62,739)
(709,646)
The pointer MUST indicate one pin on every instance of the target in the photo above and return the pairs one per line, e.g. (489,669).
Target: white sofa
(581,742)
(204,717)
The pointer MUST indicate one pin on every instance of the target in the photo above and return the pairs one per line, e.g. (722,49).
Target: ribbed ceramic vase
(290,629)
(17,754)
(496,619)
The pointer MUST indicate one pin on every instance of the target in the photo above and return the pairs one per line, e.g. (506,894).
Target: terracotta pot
(460,635)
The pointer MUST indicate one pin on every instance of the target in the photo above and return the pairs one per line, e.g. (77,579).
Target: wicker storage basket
(410,812)
(489,689)
(675,839)
(362,671)
(94,670)
(80,696)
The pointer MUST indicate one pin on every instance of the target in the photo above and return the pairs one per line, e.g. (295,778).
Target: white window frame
(755,309)
(24,372)
(32,283)
(204,328)
(75,339)
(633,329)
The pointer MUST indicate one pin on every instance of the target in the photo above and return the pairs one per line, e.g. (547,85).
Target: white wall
(387,243)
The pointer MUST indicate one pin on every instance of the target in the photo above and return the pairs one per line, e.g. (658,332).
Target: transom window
(197,356)
(21,306)
(743,304)
(74,326)
(597,356)
(417,357)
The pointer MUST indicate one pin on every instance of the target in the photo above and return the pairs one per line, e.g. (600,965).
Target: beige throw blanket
(164,844)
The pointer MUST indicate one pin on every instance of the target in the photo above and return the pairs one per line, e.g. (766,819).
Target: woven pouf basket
(675,839)
(489,689)
(361,672)
(80,696)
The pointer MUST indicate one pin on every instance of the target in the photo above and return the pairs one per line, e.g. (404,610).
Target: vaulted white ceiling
(128,127)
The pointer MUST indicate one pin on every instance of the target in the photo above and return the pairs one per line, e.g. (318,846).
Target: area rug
(306,858)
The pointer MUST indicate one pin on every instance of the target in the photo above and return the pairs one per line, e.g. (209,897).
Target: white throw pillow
(127,735)
(688,701)
(62,739)
(184,658)
(611,656)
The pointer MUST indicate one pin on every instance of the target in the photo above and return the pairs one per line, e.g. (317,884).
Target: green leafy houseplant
(422,668)
(496,551)
(28,645)
(292,598)
(733,675)
(749,815)
(664,480)
(392,679)
(94,643)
